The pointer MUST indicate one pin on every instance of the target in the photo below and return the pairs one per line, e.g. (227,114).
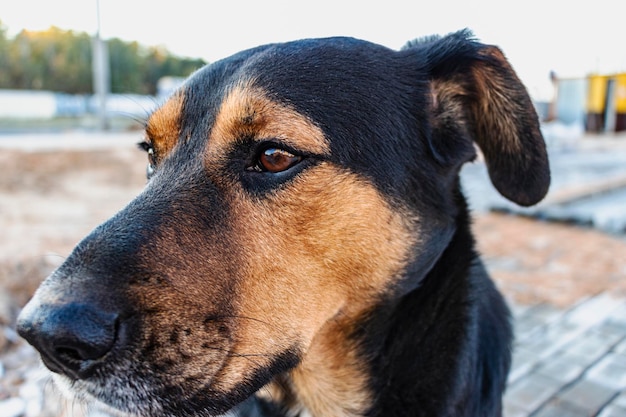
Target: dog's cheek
(328,242)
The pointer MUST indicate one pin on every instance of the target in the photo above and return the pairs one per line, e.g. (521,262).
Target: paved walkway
(569,363)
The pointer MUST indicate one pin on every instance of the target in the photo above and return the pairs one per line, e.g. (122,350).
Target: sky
(572,38)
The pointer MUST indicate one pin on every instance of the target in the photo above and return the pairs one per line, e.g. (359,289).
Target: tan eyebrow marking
(248,112)
(164,125)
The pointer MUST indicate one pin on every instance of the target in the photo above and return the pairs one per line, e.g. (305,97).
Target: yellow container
(596,94)
(620,93)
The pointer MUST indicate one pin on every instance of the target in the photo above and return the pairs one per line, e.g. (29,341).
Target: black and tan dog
(302,247)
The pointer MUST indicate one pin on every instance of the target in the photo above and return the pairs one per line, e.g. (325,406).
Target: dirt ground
(534,262)
(49,200)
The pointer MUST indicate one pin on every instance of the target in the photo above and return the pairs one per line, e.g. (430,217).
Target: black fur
(445,348)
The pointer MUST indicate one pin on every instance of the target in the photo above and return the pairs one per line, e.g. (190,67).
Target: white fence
(19,104)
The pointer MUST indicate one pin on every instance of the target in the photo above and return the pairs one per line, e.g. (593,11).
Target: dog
(302,246)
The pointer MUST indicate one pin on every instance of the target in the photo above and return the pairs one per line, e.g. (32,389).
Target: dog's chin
(120,399)
(103,399)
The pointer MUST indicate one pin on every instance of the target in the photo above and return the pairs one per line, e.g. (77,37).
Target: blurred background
(79,77)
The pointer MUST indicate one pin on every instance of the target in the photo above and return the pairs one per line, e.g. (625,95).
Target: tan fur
(494,112)
(247,112)
(332,379)
(328,234)
(448,102)
(332,236)
(163,126)
(492,115)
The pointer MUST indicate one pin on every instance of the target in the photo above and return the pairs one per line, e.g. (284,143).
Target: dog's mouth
(147,386)
(192,367)
(131,390)
(113,396)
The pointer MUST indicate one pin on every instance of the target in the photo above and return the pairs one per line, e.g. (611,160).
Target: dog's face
(292,188)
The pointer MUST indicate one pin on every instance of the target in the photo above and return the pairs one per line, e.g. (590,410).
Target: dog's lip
(107,380)
(113,391)
(88,392)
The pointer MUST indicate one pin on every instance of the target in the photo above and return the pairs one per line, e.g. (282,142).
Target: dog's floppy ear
(477,96)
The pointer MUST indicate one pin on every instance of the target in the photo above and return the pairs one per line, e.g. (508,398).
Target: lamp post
(101,76)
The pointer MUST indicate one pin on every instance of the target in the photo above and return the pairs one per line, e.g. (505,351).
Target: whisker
(247,356)
(254,319)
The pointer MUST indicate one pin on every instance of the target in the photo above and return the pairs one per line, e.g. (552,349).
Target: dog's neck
(349,371)
(344,363)
(331,380)
(393,360)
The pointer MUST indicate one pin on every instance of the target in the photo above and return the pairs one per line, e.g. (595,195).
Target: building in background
(596,102)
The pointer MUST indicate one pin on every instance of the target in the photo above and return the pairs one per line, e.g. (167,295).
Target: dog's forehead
(301,75)
(337,82)
(247,111)
(290,66)
(333,96)
(306,74)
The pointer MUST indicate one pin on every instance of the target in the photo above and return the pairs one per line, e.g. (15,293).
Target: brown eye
(277,160)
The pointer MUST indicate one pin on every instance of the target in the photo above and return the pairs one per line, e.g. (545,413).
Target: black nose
(72,338)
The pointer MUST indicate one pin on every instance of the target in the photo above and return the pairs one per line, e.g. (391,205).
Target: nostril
(72,338)
(69,354)
(65,360)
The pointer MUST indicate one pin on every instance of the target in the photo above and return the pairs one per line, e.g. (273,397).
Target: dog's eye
(147,146)
(276,160)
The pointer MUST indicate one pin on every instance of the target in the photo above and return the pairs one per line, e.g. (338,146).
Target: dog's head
(292,188)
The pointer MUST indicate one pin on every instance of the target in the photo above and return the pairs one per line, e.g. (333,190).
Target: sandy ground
(50,199)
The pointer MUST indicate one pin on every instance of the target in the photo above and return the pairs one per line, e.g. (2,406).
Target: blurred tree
(125,60)
(60,60)
(159,63)
(4,51)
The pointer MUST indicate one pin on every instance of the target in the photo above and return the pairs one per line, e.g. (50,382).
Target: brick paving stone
(585,361)
(545,313)
(531,391)
(613,411)
(587,395)
(620,401)
(620,347)
(619,315)
(612,325)
(518,310)
(569,364)
(590,345)
(612,333)
(555,338)
(594,310)
(523,362)
(563,368)
(534,319)
(560,409)
(525,327)
(610,371)
(512,410)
